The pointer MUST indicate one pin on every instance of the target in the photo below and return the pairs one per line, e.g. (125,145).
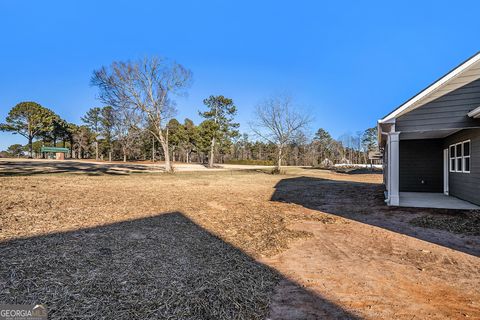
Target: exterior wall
(466,186)
(421,165)
(447,112)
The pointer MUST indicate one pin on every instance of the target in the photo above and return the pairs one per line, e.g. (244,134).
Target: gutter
(475,113)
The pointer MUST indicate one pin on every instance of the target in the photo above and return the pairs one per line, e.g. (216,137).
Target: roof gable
(465,73)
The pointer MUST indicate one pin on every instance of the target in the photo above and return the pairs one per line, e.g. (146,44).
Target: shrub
(278,171)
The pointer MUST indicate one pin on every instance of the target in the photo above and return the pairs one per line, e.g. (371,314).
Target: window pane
(466,164)
(466,149)
(452,151)
(459,164)
(452,164)
(459,150)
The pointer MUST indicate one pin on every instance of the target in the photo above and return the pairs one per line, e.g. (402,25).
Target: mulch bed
(467,223)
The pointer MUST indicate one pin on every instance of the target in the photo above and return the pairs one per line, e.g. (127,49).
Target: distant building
(54,152)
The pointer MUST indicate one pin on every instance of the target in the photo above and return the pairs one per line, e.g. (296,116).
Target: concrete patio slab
(434,200)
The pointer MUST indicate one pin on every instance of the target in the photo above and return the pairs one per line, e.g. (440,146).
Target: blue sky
(347,62)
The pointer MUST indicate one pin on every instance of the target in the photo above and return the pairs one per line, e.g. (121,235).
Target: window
(460,157)
(466,156)
(452,159)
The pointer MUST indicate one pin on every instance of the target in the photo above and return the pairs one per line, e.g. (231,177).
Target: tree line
(137,123)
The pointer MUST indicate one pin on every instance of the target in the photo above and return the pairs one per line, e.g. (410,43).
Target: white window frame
(462,156)
(450,158)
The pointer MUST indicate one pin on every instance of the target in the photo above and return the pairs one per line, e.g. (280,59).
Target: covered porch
(434,200)
(429,143)
(418,169)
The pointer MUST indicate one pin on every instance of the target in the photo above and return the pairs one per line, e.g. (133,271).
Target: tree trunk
(166,152)
(187,156)
(30,146)
(279,158)
(124,156)
(212,150)
(168,165)
(96,150)
(110,155)
(153,149)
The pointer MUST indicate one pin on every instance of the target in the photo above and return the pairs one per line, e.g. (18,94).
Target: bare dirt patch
(307,245)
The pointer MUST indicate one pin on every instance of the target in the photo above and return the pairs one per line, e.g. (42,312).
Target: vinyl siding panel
(466,186)
(421,165)
(447,112)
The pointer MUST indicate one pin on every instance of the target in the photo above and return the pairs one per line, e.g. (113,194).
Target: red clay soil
(368,262)
(373,273)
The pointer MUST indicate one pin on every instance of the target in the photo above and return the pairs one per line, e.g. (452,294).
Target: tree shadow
(364,202)
(26,168)
(159,267)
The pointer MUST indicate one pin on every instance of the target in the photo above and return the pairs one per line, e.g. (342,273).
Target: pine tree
(220,114)
(93,120)
(30,120)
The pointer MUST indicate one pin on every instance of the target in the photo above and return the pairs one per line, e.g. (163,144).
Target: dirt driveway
(311,244)
(13,166)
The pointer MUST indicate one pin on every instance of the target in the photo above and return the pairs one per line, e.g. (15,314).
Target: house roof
(463,74)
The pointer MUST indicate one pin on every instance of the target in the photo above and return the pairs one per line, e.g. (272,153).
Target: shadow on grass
(159,267)
(364,202)
(26,168)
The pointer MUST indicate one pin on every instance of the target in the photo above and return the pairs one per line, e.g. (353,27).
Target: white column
(393,168)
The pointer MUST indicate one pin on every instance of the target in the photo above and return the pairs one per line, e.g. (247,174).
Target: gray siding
(466,186)
(447,112)
(421,160)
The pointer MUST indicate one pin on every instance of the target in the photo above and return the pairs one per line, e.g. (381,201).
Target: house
(431,143)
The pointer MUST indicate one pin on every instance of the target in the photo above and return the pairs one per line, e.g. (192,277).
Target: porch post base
(394,200)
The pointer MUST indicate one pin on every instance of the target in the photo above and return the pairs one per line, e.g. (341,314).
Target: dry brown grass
(189,246)
(232,205)
(144,245)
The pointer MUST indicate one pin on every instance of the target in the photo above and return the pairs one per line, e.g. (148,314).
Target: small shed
(54,152)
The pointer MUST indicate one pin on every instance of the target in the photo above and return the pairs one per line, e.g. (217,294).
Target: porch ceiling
(437,134)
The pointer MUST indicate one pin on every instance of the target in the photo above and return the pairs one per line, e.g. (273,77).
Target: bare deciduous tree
(81,140)
(126,126)
(145,86)
(278,121)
